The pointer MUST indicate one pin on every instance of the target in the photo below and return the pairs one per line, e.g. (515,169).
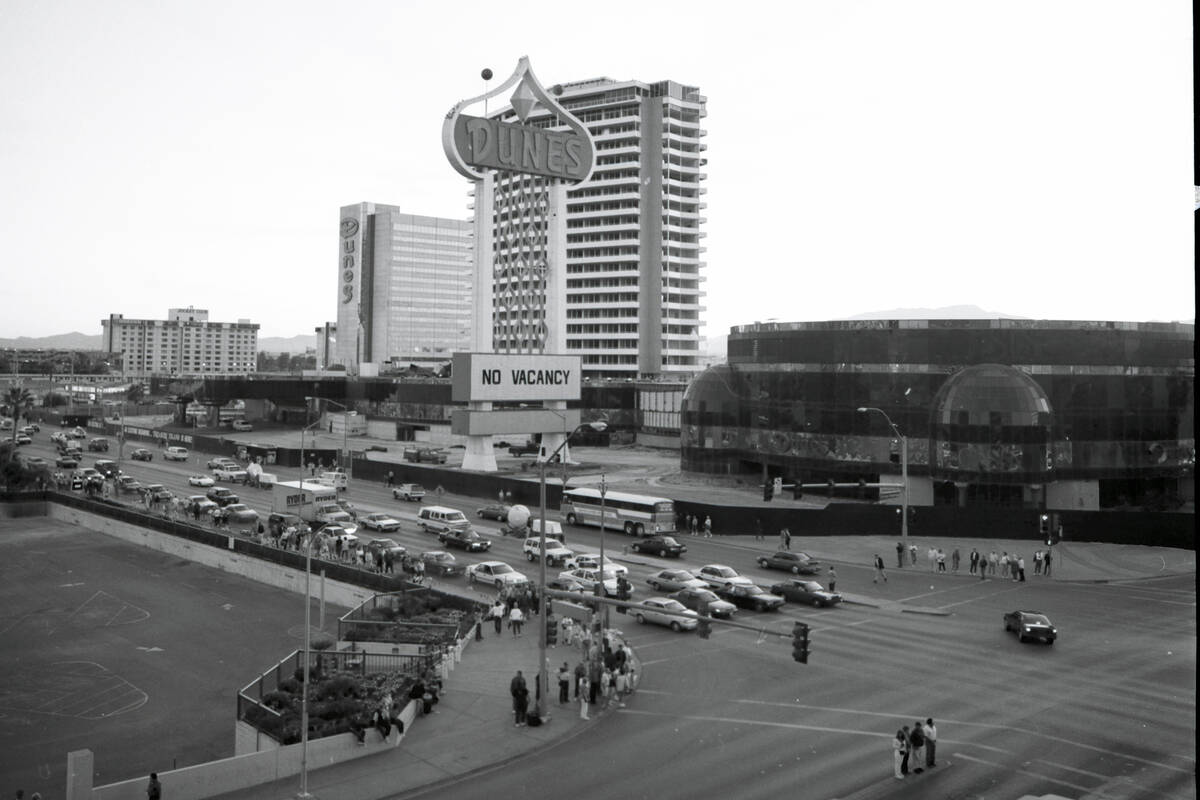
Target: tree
(16,474)
(17,402)
(135,393)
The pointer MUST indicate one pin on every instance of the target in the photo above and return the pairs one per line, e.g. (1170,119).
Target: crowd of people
(914,750)
(1004,565)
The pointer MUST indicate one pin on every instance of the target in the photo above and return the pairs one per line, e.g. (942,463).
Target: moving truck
(301,498)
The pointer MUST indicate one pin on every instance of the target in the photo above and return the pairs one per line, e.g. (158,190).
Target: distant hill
(61,341)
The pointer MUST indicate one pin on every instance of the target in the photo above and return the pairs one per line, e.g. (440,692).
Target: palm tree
(18,401)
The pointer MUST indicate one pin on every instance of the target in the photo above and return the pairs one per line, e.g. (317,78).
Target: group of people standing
(914,750)
(1006,565)
(698,527)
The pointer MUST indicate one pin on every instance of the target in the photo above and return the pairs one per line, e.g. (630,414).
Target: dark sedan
(1030,625)
(439,562)
(801,591)
(795,563)
(222,496)
(705,601)
(142,454)
(659,546)
(467,540)
(496,511)
(750,596)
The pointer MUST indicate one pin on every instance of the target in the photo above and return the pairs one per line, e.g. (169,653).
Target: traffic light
(551,629)
(705,628)
(800,642)
(768,490)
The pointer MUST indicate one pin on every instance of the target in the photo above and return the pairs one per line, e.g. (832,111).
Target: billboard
(489,377)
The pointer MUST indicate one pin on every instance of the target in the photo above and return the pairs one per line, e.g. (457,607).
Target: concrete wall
(1073,496)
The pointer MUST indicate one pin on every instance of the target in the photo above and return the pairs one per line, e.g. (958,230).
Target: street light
(543,682)
(903,465)
(307,626)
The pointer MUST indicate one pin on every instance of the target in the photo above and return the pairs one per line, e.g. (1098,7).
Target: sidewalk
(472,728)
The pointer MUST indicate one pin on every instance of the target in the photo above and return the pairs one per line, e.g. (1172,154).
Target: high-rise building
(326,342)
(634,267)
(404,287)
(184,344)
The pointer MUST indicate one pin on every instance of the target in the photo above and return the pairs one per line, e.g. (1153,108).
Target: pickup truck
(408,491)
(225,472)
(431,455)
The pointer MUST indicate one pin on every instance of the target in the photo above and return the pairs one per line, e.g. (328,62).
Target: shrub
(290,685)
(278,700)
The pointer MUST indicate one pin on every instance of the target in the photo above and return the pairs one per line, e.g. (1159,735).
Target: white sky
(1031,158)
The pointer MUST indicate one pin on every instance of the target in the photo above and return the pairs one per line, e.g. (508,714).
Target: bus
(635,514)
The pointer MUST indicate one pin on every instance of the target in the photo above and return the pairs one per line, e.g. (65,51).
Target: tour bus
(635,514)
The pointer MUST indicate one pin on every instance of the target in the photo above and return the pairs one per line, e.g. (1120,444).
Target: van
(175,454)
(337,480)
(107,468)
(439,519)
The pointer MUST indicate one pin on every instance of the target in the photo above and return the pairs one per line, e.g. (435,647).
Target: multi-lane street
(1108,711)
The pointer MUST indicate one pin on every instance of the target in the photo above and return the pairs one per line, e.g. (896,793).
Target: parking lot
(134,654)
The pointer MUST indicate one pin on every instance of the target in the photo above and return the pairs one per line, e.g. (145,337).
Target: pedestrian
(498,615)
(389,562)
(520,696)
(692,524)
(931,557)
(1037,562)
(153,788)
(1021,568)
(391,479)
(879,573)
(899,754)
(912,554)
(917,739)
(783,539)
(930,743)
(1046,564)
(941,560)
(708,527)
(595,681)
(580,671)
(585,691)
(832,579)
(906,750)
(993,560)
(974,560)
(515,618)
(955,560)
(758,529)
(564,684)
(899,555)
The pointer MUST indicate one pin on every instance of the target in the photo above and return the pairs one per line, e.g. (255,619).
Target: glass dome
(990,393)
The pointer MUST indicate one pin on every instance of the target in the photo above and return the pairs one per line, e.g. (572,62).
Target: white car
(592,561)
(228,473)
(588,577)
(674,580)
(200,480)
(665,611)
(496,573)
(241,425)
(380,522)
(718,576)
(555,552)
(175,454)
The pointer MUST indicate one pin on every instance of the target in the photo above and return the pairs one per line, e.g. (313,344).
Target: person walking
(832,579)
(899,555)
(498,615)
(515,619)
(930,743)
(520,696)
(391,479)
(585,692)
(906,750)
(912,554)
(931,557)
(879,573)
(917,738)
(787,539)
(898,755)
(941,560)
(564,684)
(955,560)
(973,559)
(1020,568)
(1046,564)
(993,560)
(580,671)
(1037,562)
(691,524)
(153,788)
(708,527)
(758,529)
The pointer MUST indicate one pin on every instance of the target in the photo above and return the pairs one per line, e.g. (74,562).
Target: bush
(278,700)
(290,685)
(337,687)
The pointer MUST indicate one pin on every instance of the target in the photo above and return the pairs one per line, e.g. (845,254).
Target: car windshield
(500,569)
(667,540)
(728,572)
(439,556)
(1035,619)
(673,605)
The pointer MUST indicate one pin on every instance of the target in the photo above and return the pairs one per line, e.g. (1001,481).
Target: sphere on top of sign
(518,516)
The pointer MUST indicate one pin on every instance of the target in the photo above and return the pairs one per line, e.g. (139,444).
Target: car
(175,454)
(496,573)
(91,474)
(23,438)
(588,577)
(157,492)
(467,540)
(718,575)
(408,491)
(106,468)
(98,444)
(1030,625)
(673,580)
(659,545)
(431,455)
(77,433)
(36,462)
(332,514)
(241,425)
(222,496)
(555,552)
(440,519)
(439,562)
(385,546)
(665,611)
(802,591)
(221,461)
(127,484)
(31,429)
(592,560)
(704,600)
(349,508)
(380,522)
(335,478)
(142,454)
(233,474)
(527,449)
(277,523)
(794,562)
(66,462)
(58,438)
(750,596)
(241,514)
(199,505)
(568,585)
(203,481)
(496,511)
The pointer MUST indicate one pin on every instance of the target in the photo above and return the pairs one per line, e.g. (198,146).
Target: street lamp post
(603,492)
(307,627)
(903,466)
(543,684)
